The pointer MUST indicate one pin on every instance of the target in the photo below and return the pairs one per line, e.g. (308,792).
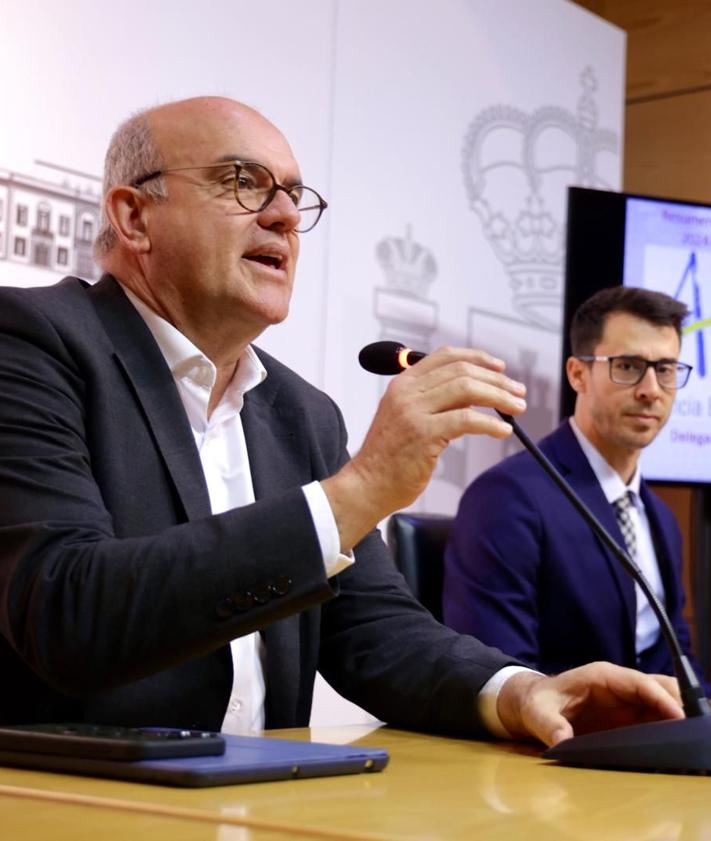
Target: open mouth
(274,261)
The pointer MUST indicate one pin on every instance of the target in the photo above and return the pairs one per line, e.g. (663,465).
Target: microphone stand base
(681,746)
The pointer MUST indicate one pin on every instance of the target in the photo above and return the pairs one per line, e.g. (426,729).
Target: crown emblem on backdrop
(516,168)
(401,304)
(409,267)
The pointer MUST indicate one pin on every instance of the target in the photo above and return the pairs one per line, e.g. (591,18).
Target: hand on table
(598,696)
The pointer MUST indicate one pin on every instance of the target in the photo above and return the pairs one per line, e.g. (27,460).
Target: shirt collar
(610,480)
(186,361)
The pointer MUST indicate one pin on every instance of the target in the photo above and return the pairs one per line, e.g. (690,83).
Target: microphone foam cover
(381,358)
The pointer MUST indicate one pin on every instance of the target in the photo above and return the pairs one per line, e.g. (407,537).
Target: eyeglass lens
(631,370)
(255,188)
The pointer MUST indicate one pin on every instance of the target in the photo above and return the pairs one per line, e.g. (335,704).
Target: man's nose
(648,386)
(281,213)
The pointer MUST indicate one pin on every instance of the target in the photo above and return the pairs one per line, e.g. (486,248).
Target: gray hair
(132,153)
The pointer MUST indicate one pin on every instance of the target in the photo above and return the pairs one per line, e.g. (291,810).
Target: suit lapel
(279,459)
(663,550)
(276,439)
(577,471)
(150,380)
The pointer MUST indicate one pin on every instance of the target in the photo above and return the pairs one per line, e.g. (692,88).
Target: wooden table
(434,788)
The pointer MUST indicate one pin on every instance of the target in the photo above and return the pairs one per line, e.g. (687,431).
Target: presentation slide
(668,248)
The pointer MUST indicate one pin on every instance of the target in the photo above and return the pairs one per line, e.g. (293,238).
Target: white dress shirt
(225,462)
(647,626)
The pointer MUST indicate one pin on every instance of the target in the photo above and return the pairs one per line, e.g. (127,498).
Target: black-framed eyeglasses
(255,187)
(630,370)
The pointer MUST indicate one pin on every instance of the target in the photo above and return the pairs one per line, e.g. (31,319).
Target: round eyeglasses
(255,187)
(630,370)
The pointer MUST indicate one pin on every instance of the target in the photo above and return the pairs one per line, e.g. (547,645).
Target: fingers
(438,399)
(541,713)
(556,731)
(445,355)
(611,686)
(658,694)
(469,421)
(468,393)
(423,409)
(472,376)
(454,379)
(598,696)
(670,685)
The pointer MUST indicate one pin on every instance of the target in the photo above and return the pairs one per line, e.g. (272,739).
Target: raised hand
(423,409)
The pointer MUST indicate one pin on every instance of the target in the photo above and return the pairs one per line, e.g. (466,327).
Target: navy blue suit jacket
(120,592)
(524,572)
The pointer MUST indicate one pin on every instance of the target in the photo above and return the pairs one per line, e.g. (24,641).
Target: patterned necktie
(624,520)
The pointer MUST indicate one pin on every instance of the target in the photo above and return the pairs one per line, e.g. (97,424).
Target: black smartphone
(103,741)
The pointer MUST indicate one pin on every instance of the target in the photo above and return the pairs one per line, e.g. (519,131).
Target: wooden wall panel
(667,148)
(667,43)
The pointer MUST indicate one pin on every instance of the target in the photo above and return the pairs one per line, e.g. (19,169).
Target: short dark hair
(588,322)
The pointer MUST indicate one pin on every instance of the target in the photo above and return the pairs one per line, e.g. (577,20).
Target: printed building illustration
(47,227)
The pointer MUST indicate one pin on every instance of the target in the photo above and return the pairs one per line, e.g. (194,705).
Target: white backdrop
(442,132)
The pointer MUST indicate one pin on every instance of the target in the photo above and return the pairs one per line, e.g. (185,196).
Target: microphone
(388,357)
(679,746)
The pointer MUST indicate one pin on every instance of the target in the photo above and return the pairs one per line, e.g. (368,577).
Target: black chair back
(417,542)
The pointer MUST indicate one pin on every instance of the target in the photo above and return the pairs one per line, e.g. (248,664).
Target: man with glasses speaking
(184,538)
(523,570)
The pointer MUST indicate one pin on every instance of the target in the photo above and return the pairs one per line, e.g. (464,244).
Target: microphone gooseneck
(680,746)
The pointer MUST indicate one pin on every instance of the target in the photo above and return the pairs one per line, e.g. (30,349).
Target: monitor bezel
(599,266)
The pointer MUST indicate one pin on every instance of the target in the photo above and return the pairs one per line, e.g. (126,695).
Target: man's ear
(127,210)
(575,369)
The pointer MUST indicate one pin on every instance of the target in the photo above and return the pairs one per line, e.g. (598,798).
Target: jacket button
(262,595)
(281,585)
(225,608)
(243,601)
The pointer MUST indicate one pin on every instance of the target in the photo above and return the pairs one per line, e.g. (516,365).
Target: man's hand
(598,696)
(423,409)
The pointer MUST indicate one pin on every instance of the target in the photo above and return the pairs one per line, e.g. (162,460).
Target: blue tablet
(247,759)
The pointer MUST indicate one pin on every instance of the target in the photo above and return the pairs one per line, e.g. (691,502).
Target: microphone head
(382,357)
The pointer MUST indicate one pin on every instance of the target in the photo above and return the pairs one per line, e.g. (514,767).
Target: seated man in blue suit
(185,539)
(523,571)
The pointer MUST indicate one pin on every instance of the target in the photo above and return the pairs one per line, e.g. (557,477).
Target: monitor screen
(661,244)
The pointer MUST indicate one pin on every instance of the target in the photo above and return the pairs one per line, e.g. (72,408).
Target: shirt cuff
(334,561)
(486,701)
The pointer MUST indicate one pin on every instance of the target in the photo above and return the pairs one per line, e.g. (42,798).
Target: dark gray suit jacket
(119,591)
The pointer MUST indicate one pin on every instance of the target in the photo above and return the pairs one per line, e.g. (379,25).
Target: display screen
(659,244)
